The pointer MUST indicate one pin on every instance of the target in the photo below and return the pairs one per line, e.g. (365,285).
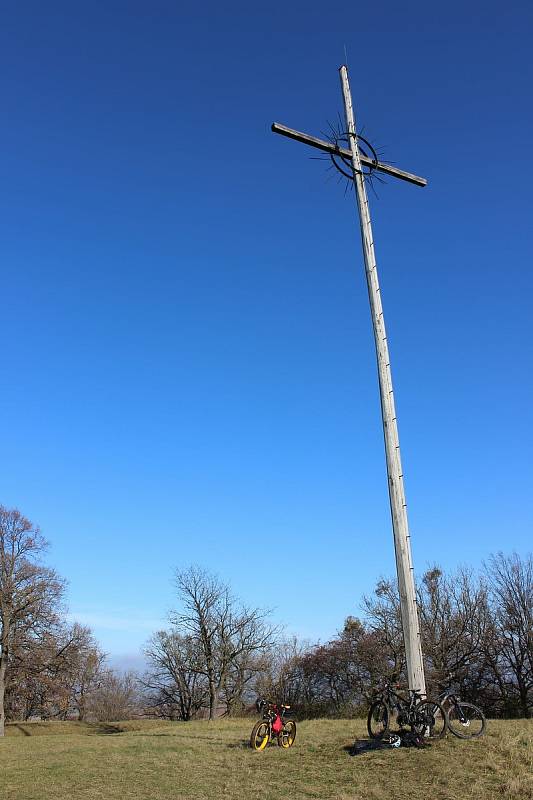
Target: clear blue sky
(188,368)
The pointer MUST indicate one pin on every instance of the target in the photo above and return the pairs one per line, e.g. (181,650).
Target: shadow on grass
(22,729)
(243,744)
(105,728)
(401,739)
(361,746)
(92,728)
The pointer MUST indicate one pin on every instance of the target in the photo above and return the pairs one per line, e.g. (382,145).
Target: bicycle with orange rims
(272,725)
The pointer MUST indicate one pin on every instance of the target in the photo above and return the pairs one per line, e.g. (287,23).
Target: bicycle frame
(425,716)
(273,726)
(398,701)
(269,711)
(449,698)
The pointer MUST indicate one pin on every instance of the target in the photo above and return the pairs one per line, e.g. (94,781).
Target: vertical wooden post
(402,546)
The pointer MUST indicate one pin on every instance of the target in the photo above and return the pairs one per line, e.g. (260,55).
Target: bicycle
(464,720)
(426,718)
(273,725)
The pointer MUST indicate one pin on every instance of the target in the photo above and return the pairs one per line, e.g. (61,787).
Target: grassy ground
(151,760)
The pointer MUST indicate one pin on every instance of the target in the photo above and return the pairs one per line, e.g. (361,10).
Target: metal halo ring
(345,138)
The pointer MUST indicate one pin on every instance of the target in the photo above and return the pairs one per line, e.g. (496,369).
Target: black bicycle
(464,720)
(426,718)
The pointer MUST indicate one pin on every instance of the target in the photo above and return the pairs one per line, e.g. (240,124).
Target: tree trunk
(4,653)
(524,704)
(213,700)
(2,694)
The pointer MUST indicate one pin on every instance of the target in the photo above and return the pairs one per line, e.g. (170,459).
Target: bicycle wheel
(429,720)
(260,735)
(287,734)
(466,720)
(378,719)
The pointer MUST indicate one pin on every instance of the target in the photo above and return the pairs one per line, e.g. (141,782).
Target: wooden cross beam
(355,159)
(333,149)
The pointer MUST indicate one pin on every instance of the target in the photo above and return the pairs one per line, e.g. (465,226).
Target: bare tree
(83,668)
(116,698)
(282,679)
(383,617)
(456,623)
(53,674)
(512,591)
(335,678)
(175,684)
(238,684)
(225,631)
(30,593)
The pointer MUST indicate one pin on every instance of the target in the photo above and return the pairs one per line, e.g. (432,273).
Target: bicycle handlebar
(261,701)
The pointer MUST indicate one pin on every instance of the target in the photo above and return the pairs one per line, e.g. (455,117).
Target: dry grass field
(150,760)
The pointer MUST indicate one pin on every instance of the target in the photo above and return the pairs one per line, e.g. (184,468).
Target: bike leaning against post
(425,717)
(464,720)
(272,725)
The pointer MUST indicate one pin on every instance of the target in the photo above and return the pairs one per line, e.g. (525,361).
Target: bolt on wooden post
(402,545)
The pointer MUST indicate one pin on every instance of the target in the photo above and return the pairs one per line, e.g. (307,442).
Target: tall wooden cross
(356,158)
